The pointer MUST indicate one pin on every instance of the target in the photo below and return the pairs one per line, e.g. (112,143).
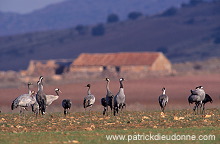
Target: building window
(104,68)
(117,69)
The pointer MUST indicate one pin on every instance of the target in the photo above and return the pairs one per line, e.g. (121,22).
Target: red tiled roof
(116,59)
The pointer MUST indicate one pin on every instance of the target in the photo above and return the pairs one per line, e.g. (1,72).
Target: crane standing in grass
(197,96)
(119,99)
(163,99)
(66,103)
(108,100)
(41,96)
(89,100)
(49,98)
(25,100)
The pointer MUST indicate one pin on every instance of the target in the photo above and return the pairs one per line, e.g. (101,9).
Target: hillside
(185,34)
(70,13)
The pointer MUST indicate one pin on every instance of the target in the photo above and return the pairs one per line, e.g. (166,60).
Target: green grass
(99,136)
(81,128)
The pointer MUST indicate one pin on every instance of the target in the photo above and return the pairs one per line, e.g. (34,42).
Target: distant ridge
(70,13)
(186,34)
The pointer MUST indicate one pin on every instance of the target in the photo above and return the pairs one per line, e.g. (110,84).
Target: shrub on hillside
(170,12)
(81,29)
(98,30)
(112,18)
(134,15)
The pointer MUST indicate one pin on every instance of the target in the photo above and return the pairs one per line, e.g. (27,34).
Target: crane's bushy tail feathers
(43,107)
(12,106)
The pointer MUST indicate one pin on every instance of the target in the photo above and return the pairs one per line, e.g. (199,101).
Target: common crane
(163,99)
(197,96)
(89,100)
(66,103)
(49,98)
(41,96)
(25,100)
(109,95)
(119,99)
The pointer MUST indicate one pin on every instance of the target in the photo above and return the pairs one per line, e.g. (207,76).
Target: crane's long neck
(29,91)
(107,86)
(57,92)
(164,92)
(89,92)
(40,87)
(121,85)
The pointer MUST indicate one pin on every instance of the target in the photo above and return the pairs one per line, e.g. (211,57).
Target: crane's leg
(111,108)
(203,109)
(104,111)
(68,111)
(90,108)
(115,110)
(65,112)
(194,109)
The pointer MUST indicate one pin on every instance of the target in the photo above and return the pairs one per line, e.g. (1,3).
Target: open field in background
(140,94)
(80,127)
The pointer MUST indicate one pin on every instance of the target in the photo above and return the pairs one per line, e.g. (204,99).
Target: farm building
(48,67)
(126,64)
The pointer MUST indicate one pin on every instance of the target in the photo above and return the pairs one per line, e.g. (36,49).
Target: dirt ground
(140,94)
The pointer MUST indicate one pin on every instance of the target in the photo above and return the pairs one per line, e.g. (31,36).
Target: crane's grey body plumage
(197,96)
(41,97)
(51,98)
(66,104)
(25,100)
(108,100)
(89,100)
(119,99)
(163,100)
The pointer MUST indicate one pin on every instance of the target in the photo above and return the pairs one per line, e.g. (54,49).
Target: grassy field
(80,127)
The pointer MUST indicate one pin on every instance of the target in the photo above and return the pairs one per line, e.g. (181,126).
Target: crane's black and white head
(29,83)
(121,79)
(199,87)
(41,78)
(57,90)
(107,79)
(88,85)
(163,90)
